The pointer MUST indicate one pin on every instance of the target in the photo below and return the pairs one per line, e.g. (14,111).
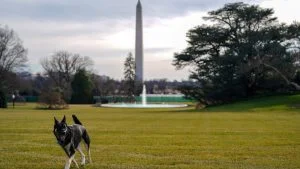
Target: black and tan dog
(69,138)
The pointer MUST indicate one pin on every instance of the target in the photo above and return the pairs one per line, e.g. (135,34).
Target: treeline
(25,84)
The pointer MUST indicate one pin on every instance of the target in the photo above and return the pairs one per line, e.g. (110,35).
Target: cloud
(286,10)
(107,42)
(78,10)
(109,49)
(105,30)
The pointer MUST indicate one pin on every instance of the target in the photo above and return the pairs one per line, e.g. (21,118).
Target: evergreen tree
(129,76)
(82,88)
(241,54)
(3,99)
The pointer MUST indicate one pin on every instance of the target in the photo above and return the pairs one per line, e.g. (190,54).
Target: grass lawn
(261,133)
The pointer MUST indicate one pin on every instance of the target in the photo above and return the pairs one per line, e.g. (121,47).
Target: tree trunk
(288,82)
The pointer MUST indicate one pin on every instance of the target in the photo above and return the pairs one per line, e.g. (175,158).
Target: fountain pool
(143,104)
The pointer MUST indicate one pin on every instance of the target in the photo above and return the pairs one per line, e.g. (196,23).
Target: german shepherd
(69,138)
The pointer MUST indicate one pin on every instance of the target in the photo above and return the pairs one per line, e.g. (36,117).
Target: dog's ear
(63,120)
(55,121)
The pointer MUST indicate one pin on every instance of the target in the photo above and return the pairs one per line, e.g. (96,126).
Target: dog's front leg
(75,162)
(69,161)
(71,157)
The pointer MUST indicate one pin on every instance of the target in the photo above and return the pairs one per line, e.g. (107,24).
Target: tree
(244,49)
(13,56)
(61,67)
(129,76)
(82,88)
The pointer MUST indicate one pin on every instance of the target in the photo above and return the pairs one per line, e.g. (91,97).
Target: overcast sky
(105,29)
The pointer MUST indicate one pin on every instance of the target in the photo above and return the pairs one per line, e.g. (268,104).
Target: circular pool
(126,105)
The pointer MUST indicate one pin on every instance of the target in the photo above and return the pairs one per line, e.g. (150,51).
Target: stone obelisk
(139,49)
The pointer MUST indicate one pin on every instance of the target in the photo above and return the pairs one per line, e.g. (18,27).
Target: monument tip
(139,2)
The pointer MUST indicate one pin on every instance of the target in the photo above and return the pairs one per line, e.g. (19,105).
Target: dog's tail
(75,119)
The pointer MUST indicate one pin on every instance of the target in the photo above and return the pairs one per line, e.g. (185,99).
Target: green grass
(262,134)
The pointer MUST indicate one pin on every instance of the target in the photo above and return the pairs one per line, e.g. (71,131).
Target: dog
(69,138)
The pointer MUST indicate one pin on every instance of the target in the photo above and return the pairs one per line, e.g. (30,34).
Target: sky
(104,30)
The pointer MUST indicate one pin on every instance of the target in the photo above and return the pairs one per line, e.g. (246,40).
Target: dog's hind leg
(82,155)
(87,141)
(89,152)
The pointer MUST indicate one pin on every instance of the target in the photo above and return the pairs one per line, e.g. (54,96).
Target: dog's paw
(82,162)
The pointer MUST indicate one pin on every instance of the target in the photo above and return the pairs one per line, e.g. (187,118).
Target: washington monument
(139,51)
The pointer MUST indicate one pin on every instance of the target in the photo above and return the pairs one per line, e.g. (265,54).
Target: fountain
(144,97)
(144,103)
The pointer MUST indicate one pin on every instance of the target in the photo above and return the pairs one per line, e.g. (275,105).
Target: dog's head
(60,130)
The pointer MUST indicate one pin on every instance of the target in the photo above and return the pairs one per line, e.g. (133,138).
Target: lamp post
(13,99)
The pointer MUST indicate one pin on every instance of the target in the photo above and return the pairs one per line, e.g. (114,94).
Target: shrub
(52,100)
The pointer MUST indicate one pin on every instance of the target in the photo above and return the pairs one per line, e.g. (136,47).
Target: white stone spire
(139,49)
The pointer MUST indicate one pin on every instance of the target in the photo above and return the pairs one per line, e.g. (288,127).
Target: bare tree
(13,56)
(12,53)
(61,66)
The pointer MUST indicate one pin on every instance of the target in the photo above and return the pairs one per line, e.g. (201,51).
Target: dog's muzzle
(61,140)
